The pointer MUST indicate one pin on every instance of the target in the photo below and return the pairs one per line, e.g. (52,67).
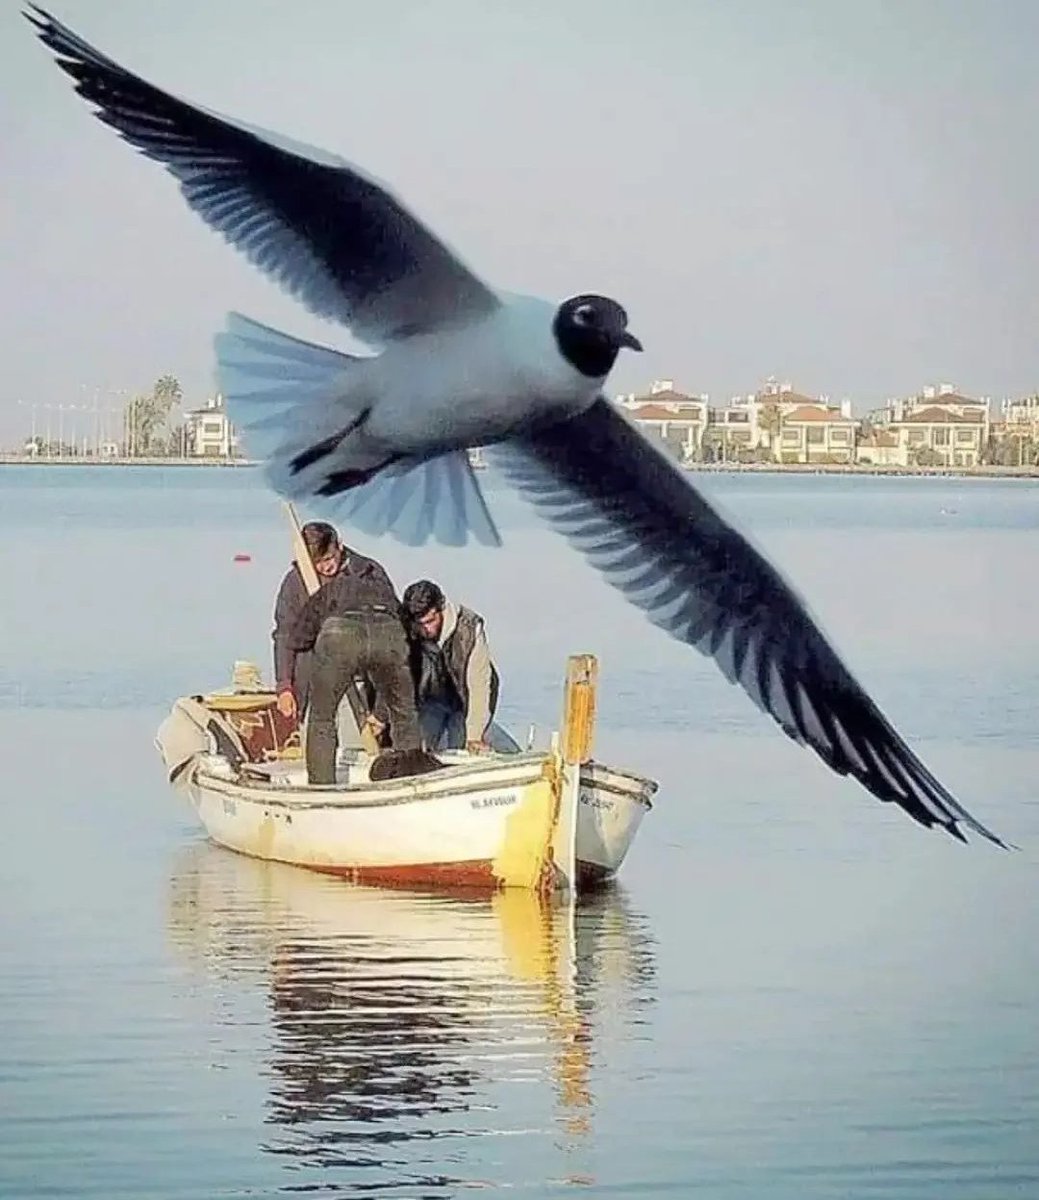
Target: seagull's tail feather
(296,406)
(436,499)
(272,384)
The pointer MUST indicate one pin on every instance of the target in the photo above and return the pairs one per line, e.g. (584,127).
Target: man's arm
(287,607)
(308,624)
(478,681)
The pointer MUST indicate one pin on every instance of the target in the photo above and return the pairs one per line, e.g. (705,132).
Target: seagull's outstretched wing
(334,238)
(652,535)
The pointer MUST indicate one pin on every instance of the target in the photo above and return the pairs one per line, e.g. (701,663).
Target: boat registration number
(500,801)
(599,802)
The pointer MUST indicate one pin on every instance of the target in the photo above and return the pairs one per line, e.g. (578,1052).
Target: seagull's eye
(584,314)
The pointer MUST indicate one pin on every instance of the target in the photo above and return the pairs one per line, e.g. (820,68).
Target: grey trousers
(371,645)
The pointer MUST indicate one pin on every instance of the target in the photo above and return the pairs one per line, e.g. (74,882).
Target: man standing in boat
(456,683)
(352,625)
(292,669)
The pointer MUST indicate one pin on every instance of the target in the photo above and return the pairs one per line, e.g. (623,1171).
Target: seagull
(458,364)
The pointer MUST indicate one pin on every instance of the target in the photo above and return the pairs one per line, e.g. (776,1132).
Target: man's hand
(478,747)
(287,703)
(374,724)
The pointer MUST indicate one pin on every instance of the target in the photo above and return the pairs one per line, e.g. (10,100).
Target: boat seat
(263,731)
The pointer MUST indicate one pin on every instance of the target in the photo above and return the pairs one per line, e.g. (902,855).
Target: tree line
(149,428)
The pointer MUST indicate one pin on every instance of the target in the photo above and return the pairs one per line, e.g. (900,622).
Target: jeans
(443,727)
(371,644)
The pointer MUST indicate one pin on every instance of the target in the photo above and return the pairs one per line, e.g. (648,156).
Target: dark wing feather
(338,241)
(635,515)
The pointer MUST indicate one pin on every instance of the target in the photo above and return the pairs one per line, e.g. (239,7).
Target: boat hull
(483,823)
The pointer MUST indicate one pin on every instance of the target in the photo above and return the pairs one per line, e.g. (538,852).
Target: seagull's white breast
(475,383)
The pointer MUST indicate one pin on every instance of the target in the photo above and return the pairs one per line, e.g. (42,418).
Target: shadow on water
(402,1025)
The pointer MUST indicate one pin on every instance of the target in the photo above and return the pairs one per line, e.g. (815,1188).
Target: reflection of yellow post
(572,1036)
(539,941)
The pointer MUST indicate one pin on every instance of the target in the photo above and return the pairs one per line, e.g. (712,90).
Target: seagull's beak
(631,341)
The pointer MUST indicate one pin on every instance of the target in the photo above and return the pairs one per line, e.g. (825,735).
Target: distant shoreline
(23,460)
(988,471)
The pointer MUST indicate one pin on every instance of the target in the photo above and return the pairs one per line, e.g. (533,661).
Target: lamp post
(32,406)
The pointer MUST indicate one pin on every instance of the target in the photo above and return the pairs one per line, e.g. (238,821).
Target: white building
(208,432)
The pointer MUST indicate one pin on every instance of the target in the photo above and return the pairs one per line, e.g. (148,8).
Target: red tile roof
(933,415)
(668,396)
(951,398)
(658,412)
(809,413)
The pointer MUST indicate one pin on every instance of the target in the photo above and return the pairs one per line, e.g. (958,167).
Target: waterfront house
(817,433)
(208,433)
(939,426)
(673,418)
(942,437)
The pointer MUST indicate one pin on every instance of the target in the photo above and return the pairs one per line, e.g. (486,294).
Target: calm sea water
(794,992)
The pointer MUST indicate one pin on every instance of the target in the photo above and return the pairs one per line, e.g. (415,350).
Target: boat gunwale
(436,785)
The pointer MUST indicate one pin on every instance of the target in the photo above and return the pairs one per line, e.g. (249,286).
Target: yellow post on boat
(578,733)
(573,747)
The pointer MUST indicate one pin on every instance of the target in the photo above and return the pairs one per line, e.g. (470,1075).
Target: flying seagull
(456,364)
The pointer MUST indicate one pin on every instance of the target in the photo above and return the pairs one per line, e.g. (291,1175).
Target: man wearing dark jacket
(353,626)
(291,668)
(456,684)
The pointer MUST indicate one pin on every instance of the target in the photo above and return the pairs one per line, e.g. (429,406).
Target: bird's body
(453,388)
(456,388)
(460,364)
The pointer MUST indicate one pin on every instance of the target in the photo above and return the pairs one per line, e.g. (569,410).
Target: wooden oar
(301,553)
(312,583)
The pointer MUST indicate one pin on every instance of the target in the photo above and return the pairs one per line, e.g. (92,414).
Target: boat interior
(258,742)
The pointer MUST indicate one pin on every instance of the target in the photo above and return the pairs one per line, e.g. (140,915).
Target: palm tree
(771,421)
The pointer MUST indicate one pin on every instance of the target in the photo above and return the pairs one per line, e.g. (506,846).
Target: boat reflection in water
(412,1033)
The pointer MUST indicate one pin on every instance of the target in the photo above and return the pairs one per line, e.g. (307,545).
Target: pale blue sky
(842,193)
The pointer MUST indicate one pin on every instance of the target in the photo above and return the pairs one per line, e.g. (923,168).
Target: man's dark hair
(420,597)
(320,538)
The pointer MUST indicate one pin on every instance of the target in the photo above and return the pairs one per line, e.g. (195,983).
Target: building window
(816,435)
(941,437)
(966,436)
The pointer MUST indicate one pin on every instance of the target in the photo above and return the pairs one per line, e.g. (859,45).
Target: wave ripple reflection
(403,1026)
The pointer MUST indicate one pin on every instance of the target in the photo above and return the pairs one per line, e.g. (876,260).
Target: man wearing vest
(456,684)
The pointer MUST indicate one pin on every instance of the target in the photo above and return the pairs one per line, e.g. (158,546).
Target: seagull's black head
(590,331)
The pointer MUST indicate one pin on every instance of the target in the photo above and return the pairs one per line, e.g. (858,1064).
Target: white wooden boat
(542,820)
